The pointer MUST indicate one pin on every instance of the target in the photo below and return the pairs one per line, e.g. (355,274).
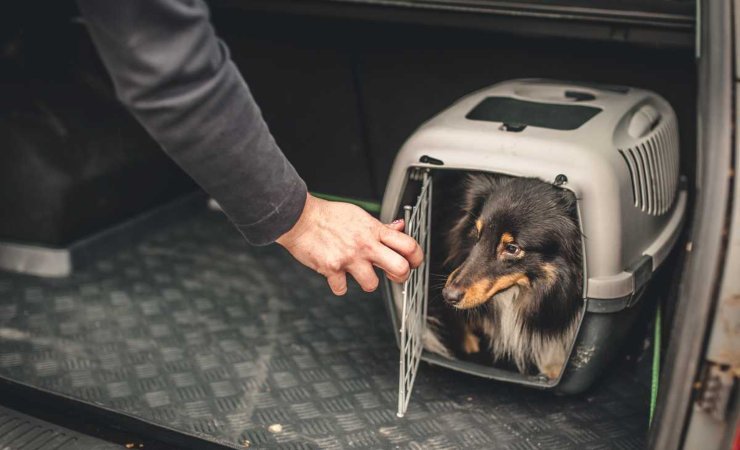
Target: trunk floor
(21,432)
(192,329)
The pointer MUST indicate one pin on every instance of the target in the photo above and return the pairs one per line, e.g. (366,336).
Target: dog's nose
(452,294)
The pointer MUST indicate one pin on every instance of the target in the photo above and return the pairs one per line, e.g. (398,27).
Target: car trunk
(181,328)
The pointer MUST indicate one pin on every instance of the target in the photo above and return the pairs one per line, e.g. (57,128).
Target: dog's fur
(515,284)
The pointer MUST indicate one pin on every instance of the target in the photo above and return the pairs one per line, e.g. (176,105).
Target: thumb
(397,225)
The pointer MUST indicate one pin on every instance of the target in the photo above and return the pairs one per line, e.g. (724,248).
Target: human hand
(335,238)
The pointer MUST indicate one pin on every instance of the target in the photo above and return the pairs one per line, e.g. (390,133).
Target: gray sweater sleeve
(176,77)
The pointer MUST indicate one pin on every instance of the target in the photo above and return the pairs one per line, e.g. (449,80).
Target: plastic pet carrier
(615,148)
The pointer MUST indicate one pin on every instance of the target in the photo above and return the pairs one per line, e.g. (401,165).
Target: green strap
(369,206)
(656,366)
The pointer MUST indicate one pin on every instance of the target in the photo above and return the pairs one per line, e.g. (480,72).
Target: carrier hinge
(417,173)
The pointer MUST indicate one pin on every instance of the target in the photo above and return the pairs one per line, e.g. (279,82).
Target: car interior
(139,316)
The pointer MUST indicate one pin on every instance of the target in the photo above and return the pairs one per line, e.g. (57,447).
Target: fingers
(403,244)
(394,265)
(337,283)
(396,254)
(365,275)
(398,225)
(362,272)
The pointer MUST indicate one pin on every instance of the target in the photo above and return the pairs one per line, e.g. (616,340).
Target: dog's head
(514,232)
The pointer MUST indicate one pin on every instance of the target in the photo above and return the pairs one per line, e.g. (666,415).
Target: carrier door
(414,310)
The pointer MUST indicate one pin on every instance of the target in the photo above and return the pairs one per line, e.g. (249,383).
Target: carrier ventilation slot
(653,168)
(414,310)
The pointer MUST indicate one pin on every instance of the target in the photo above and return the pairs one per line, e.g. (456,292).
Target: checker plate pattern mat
(21,432)
(192,329)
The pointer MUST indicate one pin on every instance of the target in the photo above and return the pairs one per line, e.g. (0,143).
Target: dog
(515,286)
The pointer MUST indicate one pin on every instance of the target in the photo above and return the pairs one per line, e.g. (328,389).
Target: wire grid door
(414,314)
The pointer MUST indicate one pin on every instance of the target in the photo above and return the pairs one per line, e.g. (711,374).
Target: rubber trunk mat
(192,329)
(21,432)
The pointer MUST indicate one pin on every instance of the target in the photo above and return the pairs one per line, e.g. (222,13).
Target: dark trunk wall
(72,160)
(340,96)
(363,85)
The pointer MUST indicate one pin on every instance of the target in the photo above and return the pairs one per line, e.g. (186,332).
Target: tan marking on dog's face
(506,238)
(479,226)
(508,281)
(481,291)
(475,294)
(550,273)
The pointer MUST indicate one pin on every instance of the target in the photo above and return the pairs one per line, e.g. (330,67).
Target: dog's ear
(478,188)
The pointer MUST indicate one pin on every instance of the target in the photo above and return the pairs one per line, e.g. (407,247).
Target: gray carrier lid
(618,149)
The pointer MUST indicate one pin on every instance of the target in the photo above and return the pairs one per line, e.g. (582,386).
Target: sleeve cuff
(268,229)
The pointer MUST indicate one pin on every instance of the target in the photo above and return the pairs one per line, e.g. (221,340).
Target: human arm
(176,77)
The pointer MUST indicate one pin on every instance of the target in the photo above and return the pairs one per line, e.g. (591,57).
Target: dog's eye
(512,249)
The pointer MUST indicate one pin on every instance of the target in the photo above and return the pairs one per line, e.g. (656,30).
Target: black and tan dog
(516,280)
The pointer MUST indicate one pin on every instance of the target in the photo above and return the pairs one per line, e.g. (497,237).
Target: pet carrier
(615,148)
